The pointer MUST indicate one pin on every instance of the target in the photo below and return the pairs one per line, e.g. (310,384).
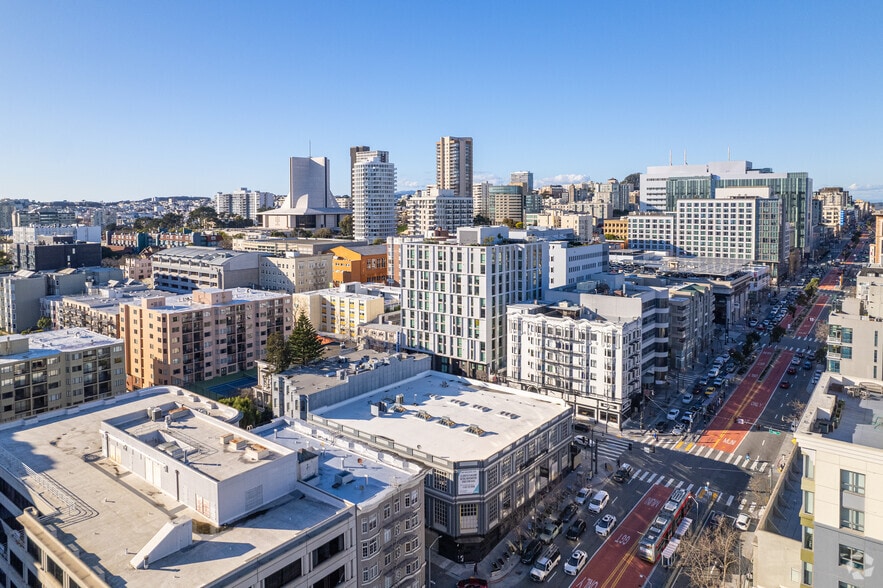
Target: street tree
(304,346)
(251,414)
(709,560)
(776,334)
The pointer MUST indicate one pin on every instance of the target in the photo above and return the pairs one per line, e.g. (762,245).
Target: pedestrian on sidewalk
(475,569)
(617,462)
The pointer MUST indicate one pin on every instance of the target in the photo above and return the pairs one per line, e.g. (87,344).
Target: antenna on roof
(685,157)
(310,142)
(728,153)
(669,157)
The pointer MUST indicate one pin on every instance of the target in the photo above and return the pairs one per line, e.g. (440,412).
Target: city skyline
(139,100)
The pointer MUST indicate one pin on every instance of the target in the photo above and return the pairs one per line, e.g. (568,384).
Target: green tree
(277,352)
(481,220)
(202,217)
(44,323)
(171,220)
(304,346)
(252,415)
(508,222)
(346,226)
(776,334)
(821,354)
(323,233)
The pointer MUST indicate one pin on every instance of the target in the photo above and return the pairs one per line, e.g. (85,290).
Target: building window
(846,585)
(807,537)
(852,482)
(469,518)
(440,513)
(808,502)
(807,573)
(809,467)
(369,547)
(852,519)
(851,557)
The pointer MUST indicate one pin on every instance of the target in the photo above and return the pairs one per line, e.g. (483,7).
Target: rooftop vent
(475,430)
(447,422)
(424,415)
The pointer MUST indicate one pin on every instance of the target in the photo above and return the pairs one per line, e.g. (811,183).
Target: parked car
(582,495)
(472,583)
(742,522)
(687,398)
(531,551)
(792,370)
(581,427)
(660,427)
(673,414)
(605,525)
(678,429)
(599,501)
(581,440)
(784,384)
(576,562)
(576,529)
(687,417)
(550,530)
(795,361)
(624,473)
(568,512)
(543,567)
(807,365)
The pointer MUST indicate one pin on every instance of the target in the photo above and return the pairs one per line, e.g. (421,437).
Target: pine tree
(278,352)
(304,346)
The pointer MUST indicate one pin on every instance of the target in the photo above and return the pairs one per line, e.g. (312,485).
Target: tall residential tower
(453,165)
(374,200)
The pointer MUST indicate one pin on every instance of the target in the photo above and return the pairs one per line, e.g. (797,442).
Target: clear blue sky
(115,100)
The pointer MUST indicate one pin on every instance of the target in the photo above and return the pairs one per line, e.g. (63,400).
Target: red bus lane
(812,317)
(747,402)
(616,563)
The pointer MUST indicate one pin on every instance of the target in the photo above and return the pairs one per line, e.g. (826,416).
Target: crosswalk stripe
(762,467)
(645,474)
(690,487)
(651,478)
(730,500)
(680,483)
(670,482)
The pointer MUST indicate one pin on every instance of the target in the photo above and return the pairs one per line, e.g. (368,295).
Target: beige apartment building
(296,273)
(339,311)
(138,268)
(56,369)
(199,336)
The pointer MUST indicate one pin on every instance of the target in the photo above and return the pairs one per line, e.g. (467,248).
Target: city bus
(664,525)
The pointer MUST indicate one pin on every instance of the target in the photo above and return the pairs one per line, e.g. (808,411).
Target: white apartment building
(652,232)
(438,209)
(296,273)
(566,351)
(624,302)
(570,264)
(244,202)
(481,199)
(454,296)
(841,512)
(453,165)
(374,200)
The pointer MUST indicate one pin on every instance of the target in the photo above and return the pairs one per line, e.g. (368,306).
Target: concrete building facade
(184,269)
(296,273)
(191,338)
(453,165)
(244,202)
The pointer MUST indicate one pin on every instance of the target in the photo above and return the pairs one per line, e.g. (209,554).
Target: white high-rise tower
(374,200)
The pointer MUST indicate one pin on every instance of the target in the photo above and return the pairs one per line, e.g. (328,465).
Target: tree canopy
(304,346)
(277,352)
(251,414)
(346,226)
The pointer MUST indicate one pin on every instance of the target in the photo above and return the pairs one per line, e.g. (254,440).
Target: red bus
(663,526)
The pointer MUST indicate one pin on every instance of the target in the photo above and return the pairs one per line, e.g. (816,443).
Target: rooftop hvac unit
(343,478)
(400,398)
(154,413)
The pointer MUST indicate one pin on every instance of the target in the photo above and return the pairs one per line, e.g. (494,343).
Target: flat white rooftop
(109,513)
(448,417)
(73,339)
(176,303)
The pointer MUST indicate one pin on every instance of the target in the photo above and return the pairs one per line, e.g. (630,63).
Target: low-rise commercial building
(489,450)
(295,506)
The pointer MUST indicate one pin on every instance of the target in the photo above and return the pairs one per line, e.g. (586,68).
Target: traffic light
(630,446)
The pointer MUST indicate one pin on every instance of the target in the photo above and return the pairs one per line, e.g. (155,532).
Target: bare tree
(708,560)
(821,330)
